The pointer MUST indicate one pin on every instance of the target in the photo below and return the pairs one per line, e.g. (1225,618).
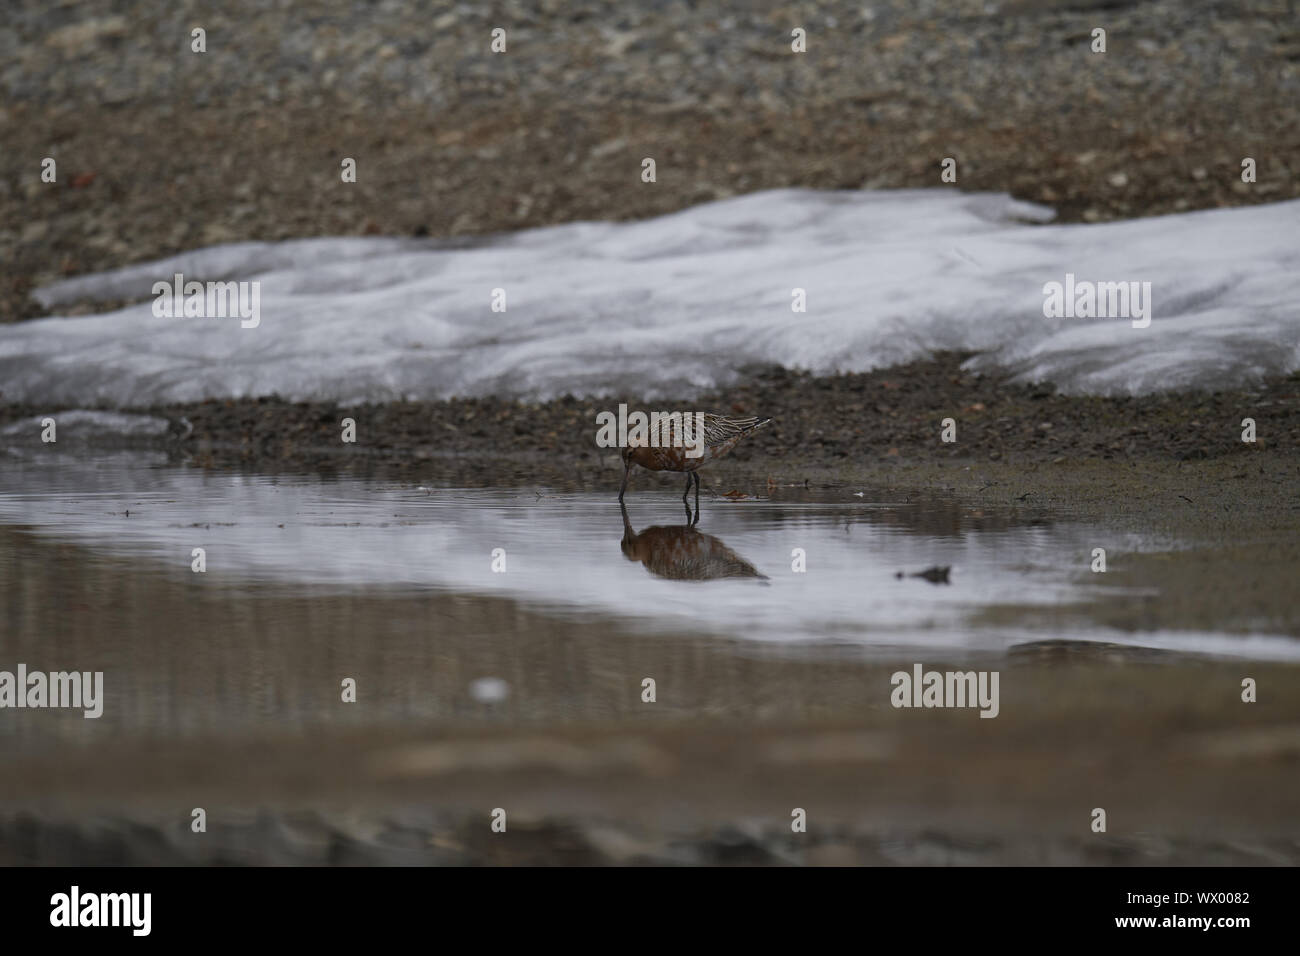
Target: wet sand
(1186,773)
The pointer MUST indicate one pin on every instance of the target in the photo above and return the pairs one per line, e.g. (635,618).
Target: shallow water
(784,572)
(569,554)
(523,688)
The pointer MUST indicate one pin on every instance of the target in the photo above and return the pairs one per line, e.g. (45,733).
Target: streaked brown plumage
(721,434)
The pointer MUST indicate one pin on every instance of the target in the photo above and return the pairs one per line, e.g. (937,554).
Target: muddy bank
(856,427)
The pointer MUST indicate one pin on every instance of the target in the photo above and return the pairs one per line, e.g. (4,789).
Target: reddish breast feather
(662,459)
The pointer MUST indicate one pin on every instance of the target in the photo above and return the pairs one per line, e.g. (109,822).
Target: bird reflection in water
(683,553)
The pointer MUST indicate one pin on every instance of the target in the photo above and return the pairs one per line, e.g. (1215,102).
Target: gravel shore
(160,149)
(866,422)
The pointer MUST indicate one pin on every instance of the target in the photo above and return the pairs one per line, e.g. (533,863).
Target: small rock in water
(935,575)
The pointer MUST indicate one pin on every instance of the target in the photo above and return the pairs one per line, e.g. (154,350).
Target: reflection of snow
(570,554)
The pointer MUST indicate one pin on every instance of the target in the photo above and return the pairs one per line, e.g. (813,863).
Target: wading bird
(721,434)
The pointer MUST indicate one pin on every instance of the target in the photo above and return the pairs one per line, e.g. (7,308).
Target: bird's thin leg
(696,476)
(688,487)
(627,473)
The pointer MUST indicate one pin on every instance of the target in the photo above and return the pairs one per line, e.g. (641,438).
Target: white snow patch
(683,302)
